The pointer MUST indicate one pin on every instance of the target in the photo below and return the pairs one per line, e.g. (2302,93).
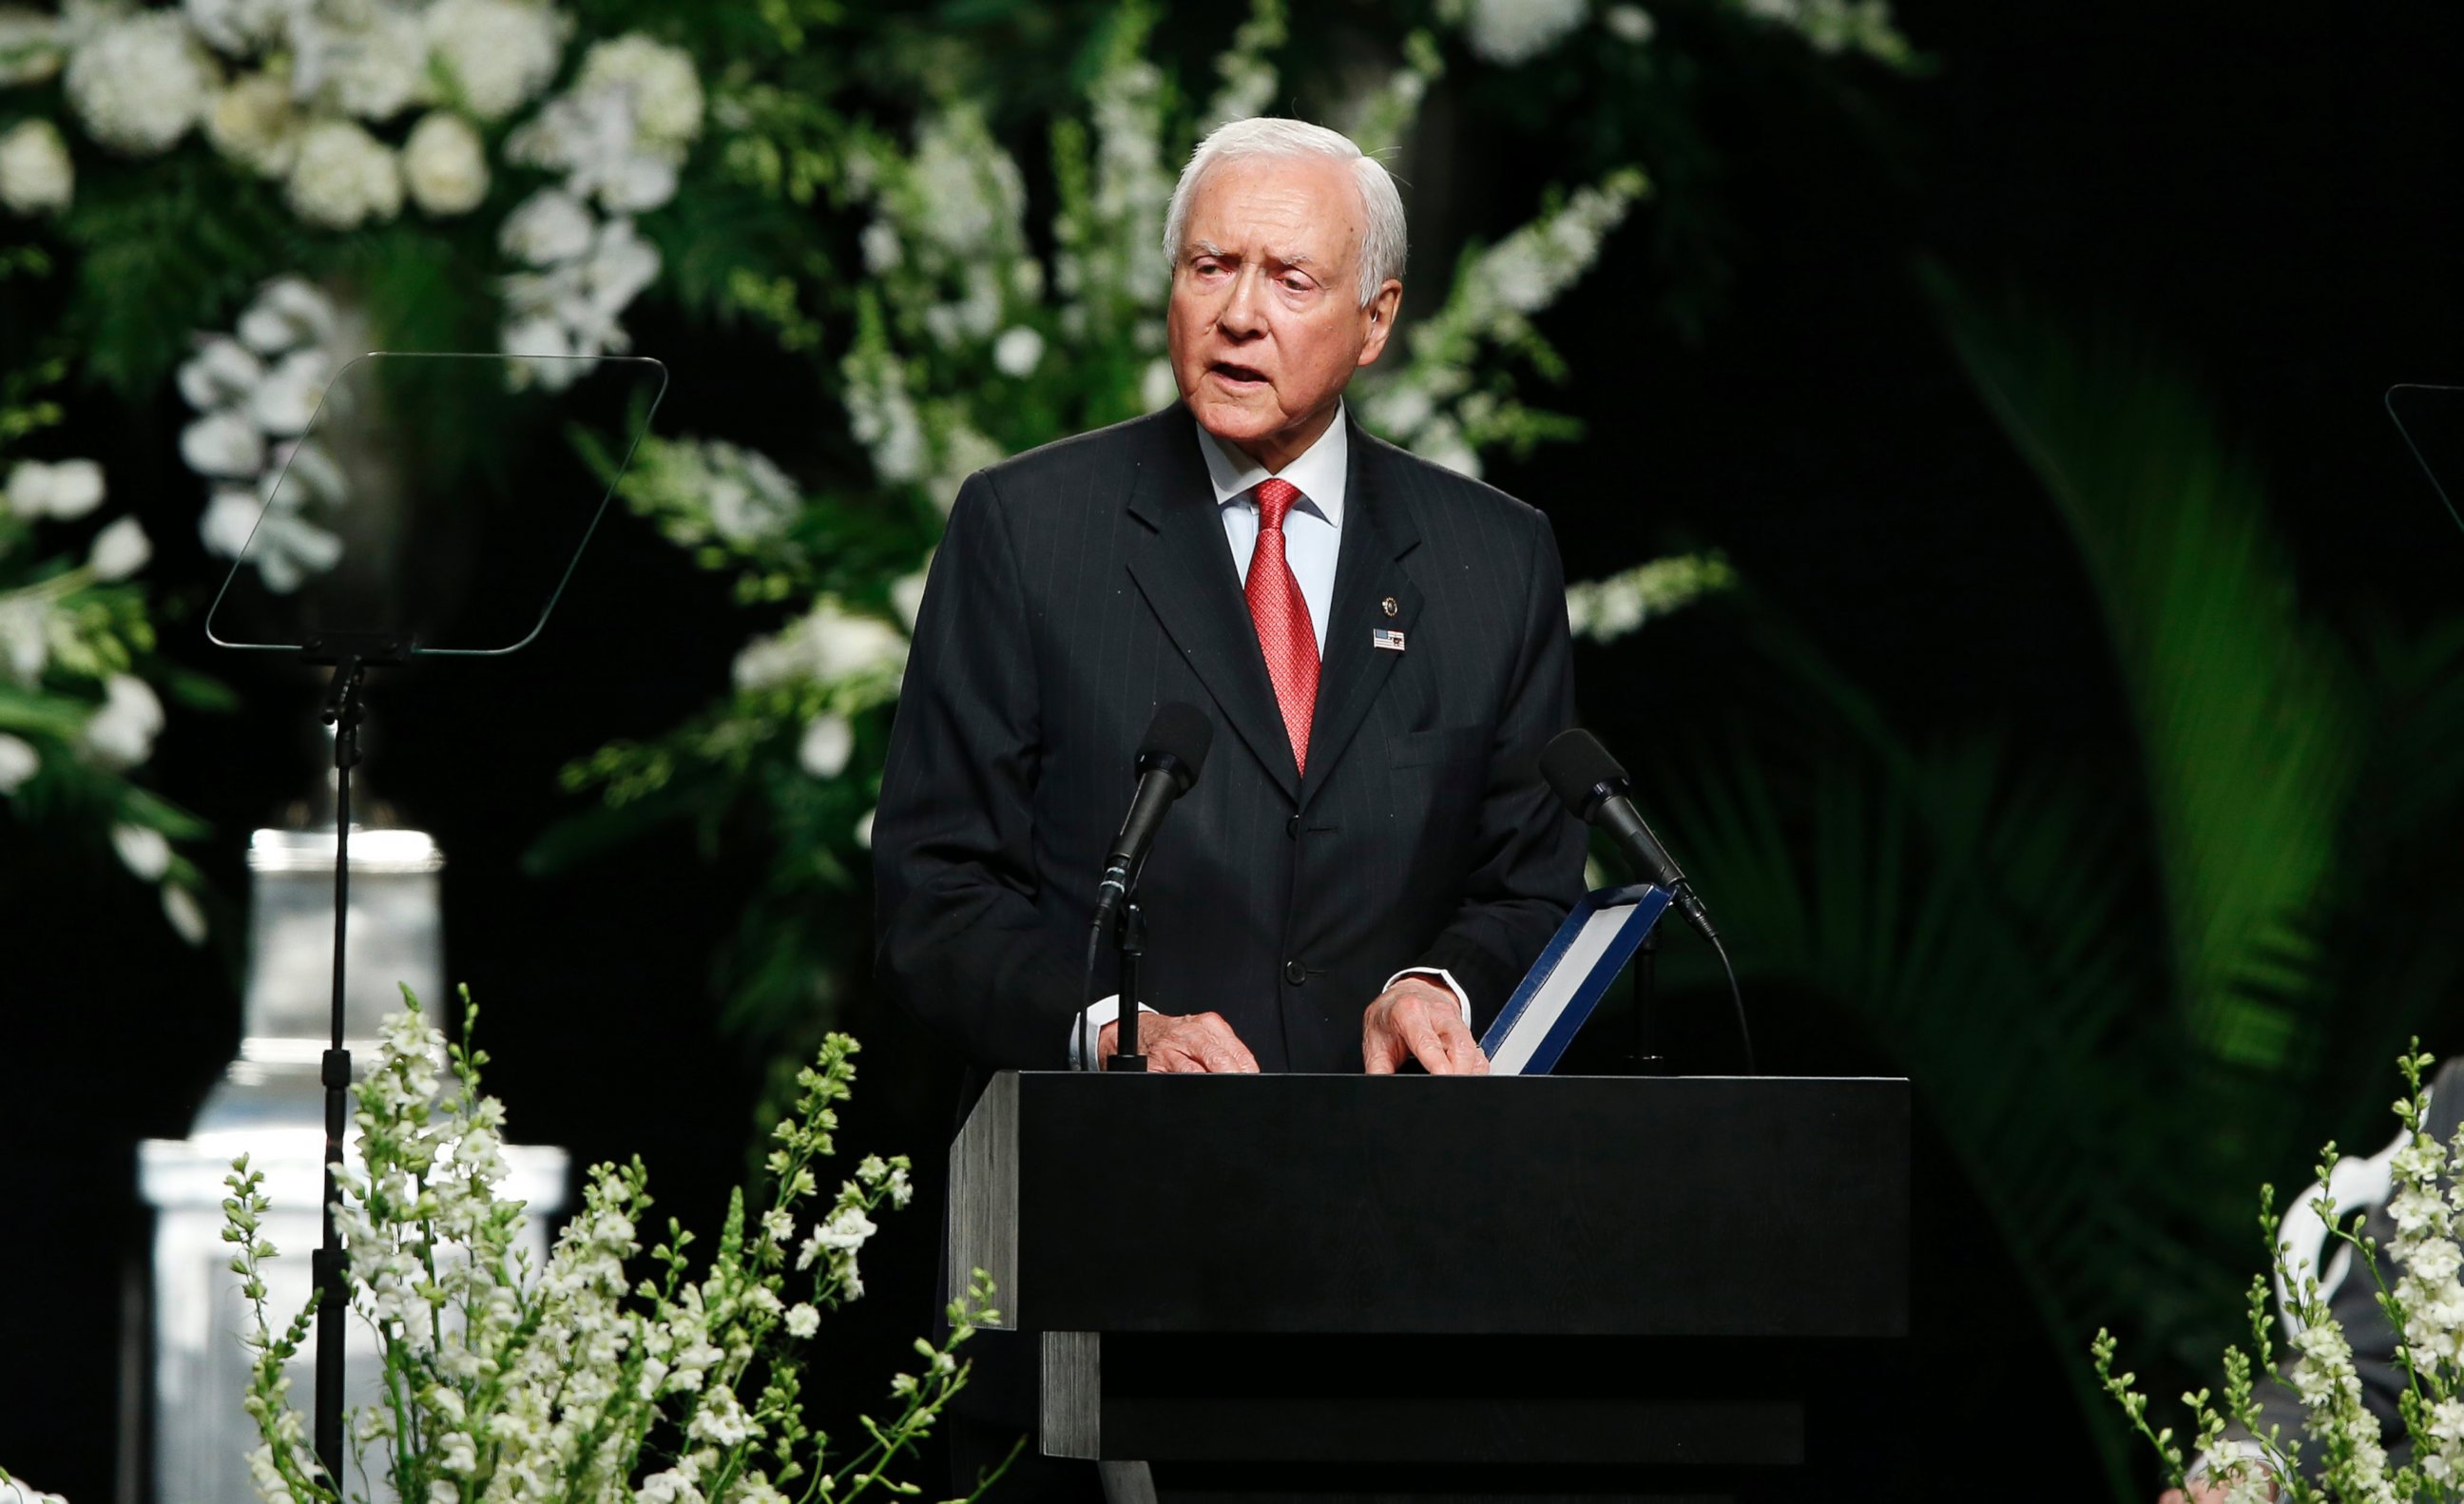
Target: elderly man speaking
(1369,862)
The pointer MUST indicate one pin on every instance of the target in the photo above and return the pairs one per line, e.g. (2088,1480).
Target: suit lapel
(1184,569)
(1378,531)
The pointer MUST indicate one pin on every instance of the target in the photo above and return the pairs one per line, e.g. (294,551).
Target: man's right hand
(1190,1043)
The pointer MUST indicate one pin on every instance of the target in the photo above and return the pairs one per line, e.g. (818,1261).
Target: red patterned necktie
(1282,616)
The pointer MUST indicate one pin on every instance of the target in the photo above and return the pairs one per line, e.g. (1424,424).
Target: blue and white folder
(1570,978)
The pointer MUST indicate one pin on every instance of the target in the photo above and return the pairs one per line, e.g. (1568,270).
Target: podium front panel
(1545,1206)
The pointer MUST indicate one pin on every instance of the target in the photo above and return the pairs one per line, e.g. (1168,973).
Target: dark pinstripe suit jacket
(1084,584)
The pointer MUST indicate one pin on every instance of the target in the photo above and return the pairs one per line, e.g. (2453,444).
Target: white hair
(1383,242)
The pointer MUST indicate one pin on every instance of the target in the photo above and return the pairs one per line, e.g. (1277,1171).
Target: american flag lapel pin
(1386,637)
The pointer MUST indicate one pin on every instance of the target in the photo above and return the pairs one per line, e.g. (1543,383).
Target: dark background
(2270,191)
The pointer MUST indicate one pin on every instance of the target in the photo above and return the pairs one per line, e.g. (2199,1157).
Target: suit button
(1295,973)
(1293,826)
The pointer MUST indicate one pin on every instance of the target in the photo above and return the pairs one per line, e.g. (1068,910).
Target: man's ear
(1383,308)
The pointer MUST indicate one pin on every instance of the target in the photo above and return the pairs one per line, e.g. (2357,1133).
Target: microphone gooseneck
(1592,785)
(1170,757)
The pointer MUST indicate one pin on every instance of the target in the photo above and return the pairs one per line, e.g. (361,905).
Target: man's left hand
(1417,1020)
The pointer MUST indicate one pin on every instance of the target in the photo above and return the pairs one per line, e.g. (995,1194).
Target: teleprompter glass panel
(440,499)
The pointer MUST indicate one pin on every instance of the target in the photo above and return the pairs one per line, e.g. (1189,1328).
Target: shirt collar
(1321,472)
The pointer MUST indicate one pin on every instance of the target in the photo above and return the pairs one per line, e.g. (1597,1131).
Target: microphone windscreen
(1575,765)
(1182,732)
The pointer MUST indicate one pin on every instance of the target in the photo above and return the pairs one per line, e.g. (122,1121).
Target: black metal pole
(1133,942)
(343,709)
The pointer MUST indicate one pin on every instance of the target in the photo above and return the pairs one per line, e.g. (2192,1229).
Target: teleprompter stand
(350,655)
(386,549)
(1454,1287)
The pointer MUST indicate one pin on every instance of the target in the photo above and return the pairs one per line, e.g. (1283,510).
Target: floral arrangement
(79,703)
(2339,1453)
(580,1381)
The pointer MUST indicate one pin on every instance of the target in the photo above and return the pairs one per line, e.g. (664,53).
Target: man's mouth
(1234,375)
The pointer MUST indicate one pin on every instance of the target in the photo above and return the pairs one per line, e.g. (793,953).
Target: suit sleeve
(961,941)
(1528,854)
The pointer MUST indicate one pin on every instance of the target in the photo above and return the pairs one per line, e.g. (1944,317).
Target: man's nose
(1243,311)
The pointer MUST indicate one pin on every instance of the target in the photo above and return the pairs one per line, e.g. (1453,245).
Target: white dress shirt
(1312,540)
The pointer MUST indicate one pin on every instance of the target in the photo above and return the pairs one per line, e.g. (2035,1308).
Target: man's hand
(1417,1020)
(1188,1044)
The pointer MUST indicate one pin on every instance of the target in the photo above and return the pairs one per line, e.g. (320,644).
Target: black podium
(1322,1287)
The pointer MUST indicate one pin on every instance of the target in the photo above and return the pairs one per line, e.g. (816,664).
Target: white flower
(25,636)
(1018,350)
(253,122)
(120,734)
(1159,389)
(549,226)
(1630,23)
(120,550)
(1509,31)
(828,742)
(18,763)
(139,83)
(30,46)
(186,917)
(879,243)
(445,165)
(907,592)
(368,59)
(65,491)
(970,190)
(749,498)
(237,28)
(285,547)
(35,174)
(344,177)
(669,1487)
(802,1320)
(142,850)
(500,53)
(720,1419)
(659,79)
(223,445)
(592,137)
(828,644)
(287,312)
(285,402)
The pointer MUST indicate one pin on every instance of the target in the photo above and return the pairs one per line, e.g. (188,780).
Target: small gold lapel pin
(1390,606)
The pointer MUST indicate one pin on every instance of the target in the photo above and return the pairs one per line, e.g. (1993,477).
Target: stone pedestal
(270,1107)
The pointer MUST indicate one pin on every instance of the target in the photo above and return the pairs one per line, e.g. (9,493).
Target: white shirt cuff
(1097,1016)
(1447,977)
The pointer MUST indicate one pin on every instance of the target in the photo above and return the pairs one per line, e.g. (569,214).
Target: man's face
(1265,320)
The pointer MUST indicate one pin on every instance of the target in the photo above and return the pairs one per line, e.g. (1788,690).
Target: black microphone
(1594,787)
(1169,756)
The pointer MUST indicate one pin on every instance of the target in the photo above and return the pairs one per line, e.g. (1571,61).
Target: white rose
(120,550)
(143,851)
(344,177)
(828,742)
(1015,352)
(35,174)
(120,734)
(253,123)
(18,763)
(30,46)
(445,165)
(374,67)
(141,82)
(64,491)
(666,93)
(548,227)
(500,53)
